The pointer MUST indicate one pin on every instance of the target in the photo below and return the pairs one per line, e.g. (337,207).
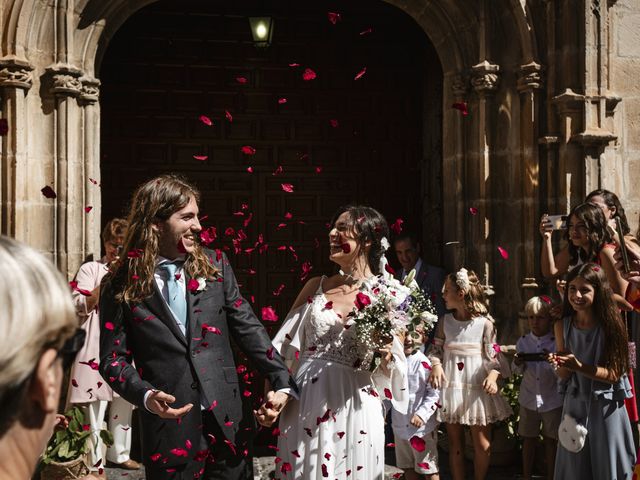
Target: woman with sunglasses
(36,320)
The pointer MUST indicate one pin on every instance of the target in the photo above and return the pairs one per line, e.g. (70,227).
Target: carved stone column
(69,240)
(484,80)
(454,158)
(15,81)
(89,97)
(529,84)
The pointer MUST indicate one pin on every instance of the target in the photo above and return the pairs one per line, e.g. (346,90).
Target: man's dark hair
(407,235)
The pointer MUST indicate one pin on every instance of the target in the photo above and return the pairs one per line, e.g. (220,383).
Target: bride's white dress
(336,428)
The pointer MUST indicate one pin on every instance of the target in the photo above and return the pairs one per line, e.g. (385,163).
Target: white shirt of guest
(160,276)
(423,400)
(539,387)
(416,267)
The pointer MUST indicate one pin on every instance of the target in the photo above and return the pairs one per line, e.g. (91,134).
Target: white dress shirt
(422,400)
(539,387)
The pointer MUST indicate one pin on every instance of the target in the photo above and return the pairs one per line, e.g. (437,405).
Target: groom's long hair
(156,200)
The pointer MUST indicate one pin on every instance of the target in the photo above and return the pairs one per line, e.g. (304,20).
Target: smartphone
(558,222)
(623,246)
(533,357)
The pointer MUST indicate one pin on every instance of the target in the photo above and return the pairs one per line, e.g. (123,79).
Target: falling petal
(228,115)
(396,226)
(417,443)
(48,192)
(545,299)
(206,120)
(287,187)
(241,80)
(426,365)
(473,210)
(462,107)
(278,171)
(334,17)
(334,123)
(387,393)
(109,326)
(201,158)
(248,150)
(282,100)
(250,169)
(318,169)
(367,31)
(270,353)
(308,74)
(294,64)
(269,314)
(360,74)
(460,365)
(88,208)
(503,253)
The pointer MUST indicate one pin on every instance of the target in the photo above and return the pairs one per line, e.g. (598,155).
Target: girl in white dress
(336,428)
(466,369)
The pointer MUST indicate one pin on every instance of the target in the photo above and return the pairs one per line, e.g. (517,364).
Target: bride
(336,428)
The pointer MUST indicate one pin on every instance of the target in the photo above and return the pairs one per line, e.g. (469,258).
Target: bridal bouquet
(387,307)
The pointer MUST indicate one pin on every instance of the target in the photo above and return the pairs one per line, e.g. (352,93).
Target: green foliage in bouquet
(72,442)
(510,391)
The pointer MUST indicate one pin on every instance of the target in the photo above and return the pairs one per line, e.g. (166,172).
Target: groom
(167,314)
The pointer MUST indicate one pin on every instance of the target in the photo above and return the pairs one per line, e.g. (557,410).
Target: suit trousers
(119,424)
(222,464)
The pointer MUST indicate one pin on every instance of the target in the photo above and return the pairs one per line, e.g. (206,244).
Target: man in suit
(429,277)
(171,307)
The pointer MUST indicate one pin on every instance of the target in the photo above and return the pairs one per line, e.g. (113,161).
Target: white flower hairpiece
(462,279)
(384,243)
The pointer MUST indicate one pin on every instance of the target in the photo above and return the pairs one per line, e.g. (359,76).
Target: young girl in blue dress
(592,362)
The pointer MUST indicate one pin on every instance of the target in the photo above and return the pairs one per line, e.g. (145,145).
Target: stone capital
(484,77)
(530,77)
(459,85)
(65,80)
(90,92)
(15,73)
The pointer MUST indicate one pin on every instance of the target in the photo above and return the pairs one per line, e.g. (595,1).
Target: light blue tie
(177,301)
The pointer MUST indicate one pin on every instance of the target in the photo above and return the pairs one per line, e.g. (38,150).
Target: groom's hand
(271,408)
(158,402)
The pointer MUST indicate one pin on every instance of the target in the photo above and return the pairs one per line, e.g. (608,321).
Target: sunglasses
(71,347)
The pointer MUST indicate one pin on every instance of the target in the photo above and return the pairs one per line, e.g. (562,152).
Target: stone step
(263,469)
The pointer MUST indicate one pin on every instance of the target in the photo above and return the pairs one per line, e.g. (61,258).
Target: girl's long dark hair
(593,218)
(616,349)
(611,200)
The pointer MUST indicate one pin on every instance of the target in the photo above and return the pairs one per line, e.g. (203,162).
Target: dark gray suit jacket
(200,365)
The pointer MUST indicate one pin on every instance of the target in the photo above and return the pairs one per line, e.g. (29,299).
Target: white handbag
(572,434)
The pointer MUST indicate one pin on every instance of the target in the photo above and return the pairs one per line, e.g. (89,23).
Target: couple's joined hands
(158,402)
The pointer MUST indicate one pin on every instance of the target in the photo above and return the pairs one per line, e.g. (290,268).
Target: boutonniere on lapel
(197,285)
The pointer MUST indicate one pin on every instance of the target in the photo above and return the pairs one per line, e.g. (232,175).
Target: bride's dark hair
(369,226)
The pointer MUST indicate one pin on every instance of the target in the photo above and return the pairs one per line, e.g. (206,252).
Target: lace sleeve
(490,350)
(436,351)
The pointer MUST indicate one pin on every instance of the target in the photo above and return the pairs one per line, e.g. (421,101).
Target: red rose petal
(334,17)
(282,101)
(88,208)
(206,120)
(417,443)
(241,80)
(287,187)
(269,314)
(396,226)
(426,365)
(328,305)
(308,75)
(48,192)
(201,158)
(462,107)
(109,325)
(346,248)
(460,365)
(228,115)
(334,123)
(250,169)
(248,150)
(503,253)
(360,74)
(545,299)
(473,210)
(387,393)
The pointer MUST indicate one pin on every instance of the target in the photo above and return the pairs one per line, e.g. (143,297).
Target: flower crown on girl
(462,279)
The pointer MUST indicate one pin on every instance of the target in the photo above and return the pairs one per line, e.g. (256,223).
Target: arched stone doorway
(543,126)
(337,140)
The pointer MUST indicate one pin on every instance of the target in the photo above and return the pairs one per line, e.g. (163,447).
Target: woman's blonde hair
(36,312)
(154,201)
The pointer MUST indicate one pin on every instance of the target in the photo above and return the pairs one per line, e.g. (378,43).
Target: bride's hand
(437,379)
